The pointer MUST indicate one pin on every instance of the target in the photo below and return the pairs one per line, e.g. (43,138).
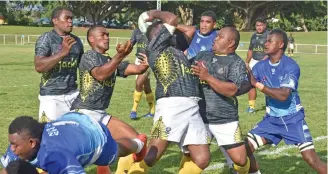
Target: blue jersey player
(67,144)
(202,39)
(277,77)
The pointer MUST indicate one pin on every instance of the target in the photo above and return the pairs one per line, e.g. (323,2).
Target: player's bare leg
(196,161)
(251,100)
(311,157)
(239,157)
(149,97)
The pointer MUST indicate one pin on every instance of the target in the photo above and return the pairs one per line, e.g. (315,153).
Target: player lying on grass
(67,144)
(277,77)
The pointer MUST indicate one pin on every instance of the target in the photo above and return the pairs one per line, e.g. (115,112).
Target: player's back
(73,134)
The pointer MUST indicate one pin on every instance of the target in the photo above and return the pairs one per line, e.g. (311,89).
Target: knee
(240,160)
(139,84)
(202,160)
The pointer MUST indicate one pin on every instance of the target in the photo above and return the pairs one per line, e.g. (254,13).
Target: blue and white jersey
(285,73)
(200,43)
(68,144)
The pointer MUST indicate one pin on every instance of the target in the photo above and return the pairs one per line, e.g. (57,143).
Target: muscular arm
(164,16)
(227,89)
(277,93)
(133,69)
(187,30)
(45,64)
(101,73)
(244,88)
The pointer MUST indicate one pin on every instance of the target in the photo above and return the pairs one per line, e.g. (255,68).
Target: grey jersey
(94,94)
(291,40)
(257,45)
(141,41)
(62,78)
(171,68)
(229,68)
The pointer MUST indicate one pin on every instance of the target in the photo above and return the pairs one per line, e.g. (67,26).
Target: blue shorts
(292,128)
(110,149)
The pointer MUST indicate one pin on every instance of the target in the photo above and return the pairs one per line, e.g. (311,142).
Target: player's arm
(227,89)
(164,16)
(45,63)
(187,30)
(102,72)
(133,69)
(244,88)
(287,84)
(249,53)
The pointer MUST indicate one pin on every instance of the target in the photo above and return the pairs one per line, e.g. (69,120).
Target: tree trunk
(303,24)
(187,15)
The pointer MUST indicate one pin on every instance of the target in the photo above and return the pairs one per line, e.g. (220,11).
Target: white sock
(258,172)
(139,143)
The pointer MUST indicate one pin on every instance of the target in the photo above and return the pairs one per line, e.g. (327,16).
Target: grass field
(19,89)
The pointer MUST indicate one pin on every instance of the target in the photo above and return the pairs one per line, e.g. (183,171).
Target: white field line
(268,152)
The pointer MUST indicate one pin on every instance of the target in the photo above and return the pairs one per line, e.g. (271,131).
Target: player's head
(277,41)
(20,167)
(153,29)
(260,25)
(98,38)
(207,22)
(62,19)
(25,136)
(226,41)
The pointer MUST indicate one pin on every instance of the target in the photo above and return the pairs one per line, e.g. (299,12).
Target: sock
(244,169)
(251,103)
(184,159)
(139,168)
(136,98)
(190,168)
(124,164)
(103,170)
(139,143)
(151,102)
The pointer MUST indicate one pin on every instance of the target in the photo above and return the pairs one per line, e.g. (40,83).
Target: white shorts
(226,134)
(54,106)
(177,119)
(98,115)
(252,63)
(291,46)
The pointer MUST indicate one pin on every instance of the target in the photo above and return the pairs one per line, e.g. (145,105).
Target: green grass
(19,89)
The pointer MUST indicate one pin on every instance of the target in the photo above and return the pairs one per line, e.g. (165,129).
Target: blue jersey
(285,73)
(200,43)
(70,143)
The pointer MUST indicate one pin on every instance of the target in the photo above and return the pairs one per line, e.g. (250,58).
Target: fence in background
(8,39)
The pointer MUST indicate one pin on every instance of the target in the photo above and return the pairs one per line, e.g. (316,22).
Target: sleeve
(290,78)
(121,68)
(61,162)
(42,46)
(89,60)
(237,72)
(8,157)
(162,39)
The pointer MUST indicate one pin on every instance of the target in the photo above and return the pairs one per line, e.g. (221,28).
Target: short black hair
(152,30)
(20,166)
(57,11)
(262,20)
(235,33)
(210,14)
(26,124)
(91,29)
(283,36)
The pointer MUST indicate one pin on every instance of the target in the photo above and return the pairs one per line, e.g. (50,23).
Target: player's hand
(144,60)
(67,44)
(200,70)
(124,49)
(150,17)
(251,77)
